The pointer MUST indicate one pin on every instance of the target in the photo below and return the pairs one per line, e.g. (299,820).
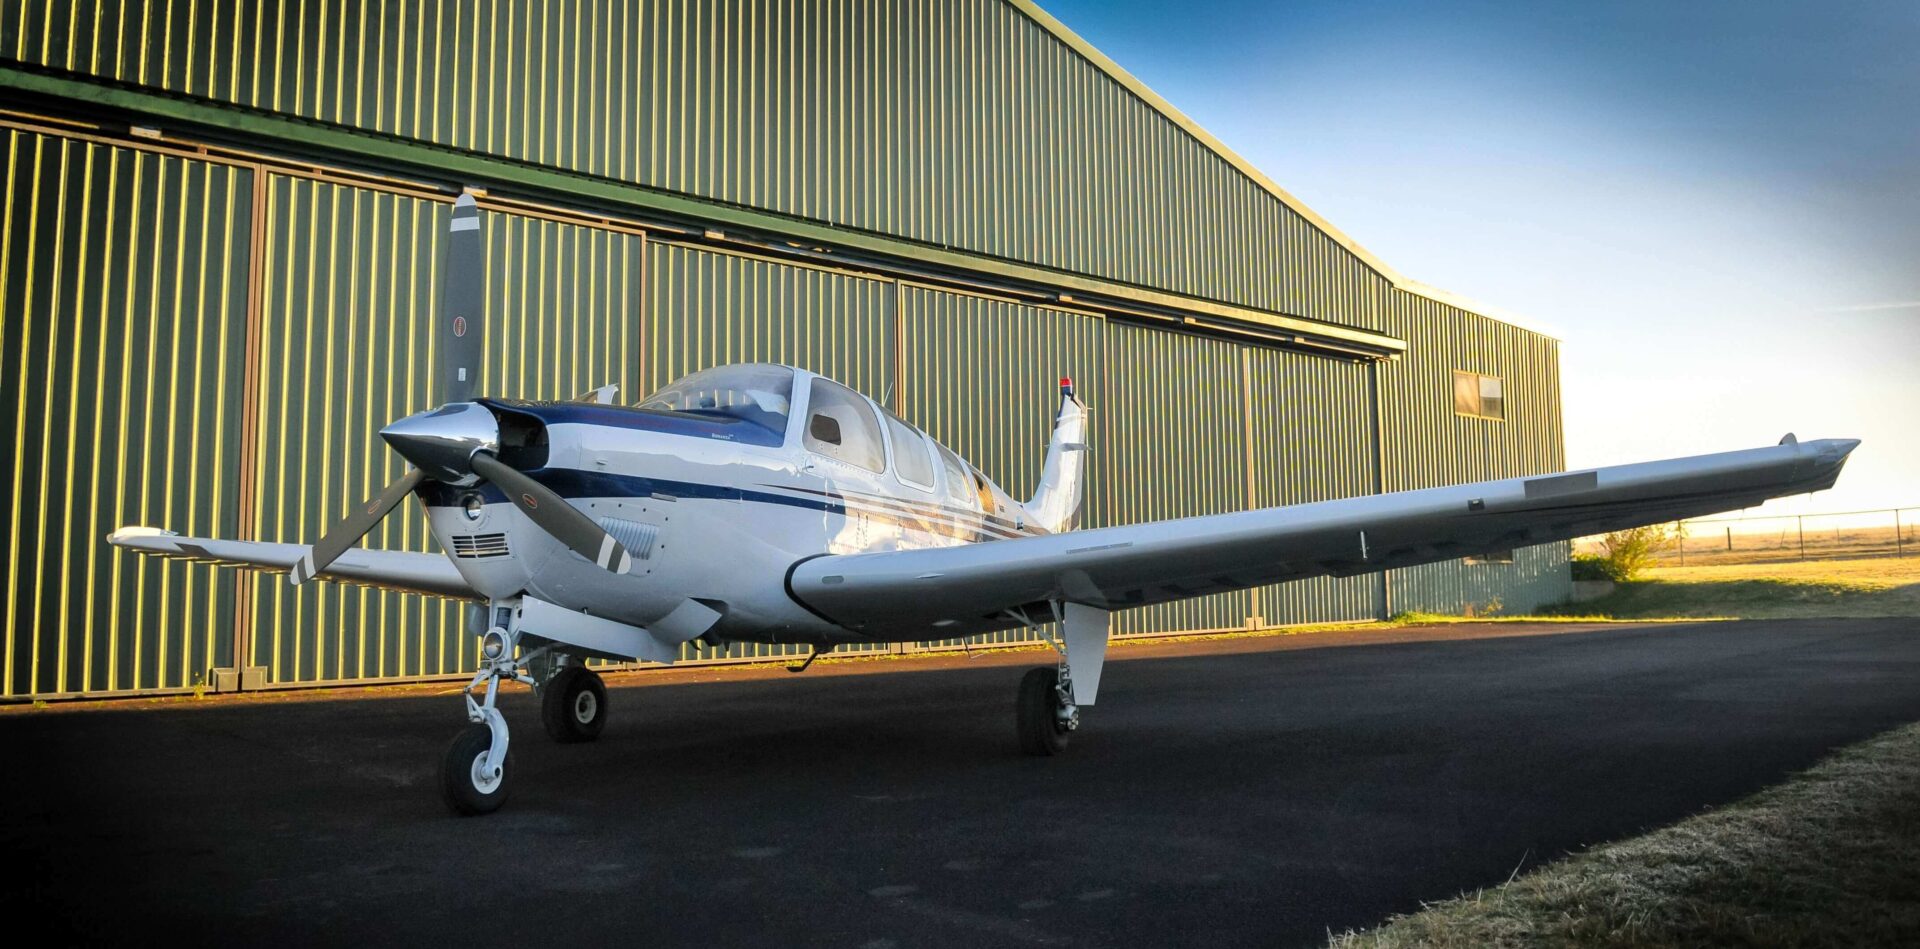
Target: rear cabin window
(1480,396)
(910,461)
(841,425)
(959,486)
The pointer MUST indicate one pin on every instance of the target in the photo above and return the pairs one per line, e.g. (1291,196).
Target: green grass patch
(1831,857)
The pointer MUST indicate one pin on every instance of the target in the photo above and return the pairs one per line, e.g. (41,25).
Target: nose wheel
(573,705)
(468,781)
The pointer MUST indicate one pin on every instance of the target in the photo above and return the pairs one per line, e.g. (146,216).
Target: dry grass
(1831,588)
(1829,858)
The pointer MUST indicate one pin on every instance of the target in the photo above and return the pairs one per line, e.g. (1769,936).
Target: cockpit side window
(959,485)
(841,425)
(910,462)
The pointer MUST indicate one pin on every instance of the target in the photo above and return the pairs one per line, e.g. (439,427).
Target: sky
(1714,205)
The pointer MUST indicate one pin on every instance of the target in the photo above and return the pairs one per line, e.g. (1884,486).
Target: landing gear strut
(473,775)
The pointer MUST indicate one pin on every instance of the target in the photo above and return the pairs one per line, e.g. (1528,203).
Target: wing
(429,574)
(954,591)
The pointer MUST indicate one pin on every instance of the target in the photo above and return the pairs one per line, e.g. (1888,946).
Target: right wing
(955,591)
(430,574)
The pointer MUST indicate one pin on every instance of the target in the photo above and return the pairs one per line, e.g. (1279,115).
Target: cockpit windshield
(758,393)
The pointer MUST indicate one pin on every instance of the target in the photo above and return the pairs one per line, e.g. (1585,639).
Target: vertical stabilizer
(1056,502)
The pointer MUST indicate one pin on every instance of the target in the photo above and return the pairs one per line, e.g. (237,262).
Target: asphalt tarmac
(1233,792)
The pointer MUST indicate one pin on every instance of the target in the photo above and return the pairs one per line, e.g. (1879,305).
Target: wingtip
(126,535)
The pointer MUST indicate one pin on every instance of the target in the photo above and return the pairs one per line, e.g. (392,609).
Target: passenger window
(910,461)
(841,425)
(985,488)
(959,486)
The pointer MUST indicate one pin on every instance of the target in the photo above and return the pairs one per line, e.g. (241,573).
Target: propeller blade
(554,514)
(348,532)
(460,307)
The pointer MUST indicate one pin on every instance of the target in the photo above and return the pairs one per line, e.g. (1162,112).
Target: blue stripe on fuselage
(576,483)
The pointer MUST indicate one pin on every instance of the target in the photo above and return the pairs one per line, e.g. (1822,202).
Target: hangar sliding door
(981,375)
(1312,431)
(122,305)
(1176,447)
(348,289)
(706,309)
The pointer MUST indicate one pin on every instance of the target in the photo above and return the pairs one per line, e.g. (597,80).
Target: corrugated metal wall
(1426,444)
(962,124)
(955,122)
(122,314)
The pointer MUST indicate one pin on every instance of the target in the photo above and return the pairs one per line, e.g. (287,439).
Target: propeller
(458,442)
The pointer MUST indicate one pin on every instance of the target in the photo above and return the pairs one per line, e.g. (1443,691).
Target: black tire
(466,795)
(573,706)
(1041,731)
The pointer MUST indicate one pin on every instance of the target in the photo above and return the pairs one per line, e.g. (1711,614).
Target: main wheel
(469,790)
(573,706)
(1042,731)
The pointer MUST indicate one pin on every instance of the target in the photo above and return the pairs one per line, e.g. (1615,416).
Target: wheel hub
(484,781)
(585,706)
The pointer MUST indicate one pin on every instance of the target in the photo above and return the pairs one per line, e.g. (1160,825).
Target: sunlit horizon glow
(1714,205)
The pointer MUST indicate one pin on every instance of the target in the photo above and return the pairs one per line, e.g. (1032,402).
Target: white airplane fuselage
(707,517)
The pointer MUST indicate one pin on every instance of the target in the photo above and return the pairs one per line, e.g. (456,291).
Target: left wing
(430,574)
(955,591)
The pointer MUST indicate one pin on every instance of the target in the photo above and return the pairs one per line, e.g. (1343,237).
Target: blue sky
(1716,205)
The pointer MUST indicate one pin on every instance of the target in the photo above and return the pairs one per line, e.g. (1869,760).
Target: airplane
(767,503)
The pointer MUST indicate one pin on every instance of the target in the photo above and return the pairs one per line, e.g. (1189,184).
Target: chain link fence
(1841,535)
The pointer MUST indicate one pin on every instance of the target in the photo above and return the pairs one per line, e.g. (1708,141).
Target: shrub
(1591,567)
(1631,551)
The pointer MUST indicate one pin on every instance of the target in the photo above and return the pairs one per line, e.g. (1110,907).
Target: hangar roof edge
(1141,90)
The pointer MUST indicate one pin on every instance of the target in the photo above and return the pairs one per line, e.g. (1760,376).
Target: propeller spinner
(458,443)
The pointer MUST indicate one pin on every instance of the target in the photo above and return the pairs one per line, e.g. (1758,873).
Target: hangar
(220,253)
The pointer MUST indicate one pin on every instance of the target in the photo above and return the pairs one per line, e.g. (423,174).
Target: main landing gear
(573,705)
(1047,711)
(475,773)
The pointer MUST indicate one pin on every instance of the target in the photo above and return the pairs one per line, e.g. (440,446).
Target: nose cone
(440,442)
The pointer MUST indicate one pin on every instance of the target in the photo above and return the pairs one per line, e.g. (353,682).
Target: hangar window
(910,461)
(841,425)
(1492,556)
(1478,395)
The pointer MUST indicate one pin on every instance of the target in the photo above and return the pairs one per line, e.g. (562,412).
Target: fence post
(1800,526)
(1899,544)
(1680,540)
(1729,540)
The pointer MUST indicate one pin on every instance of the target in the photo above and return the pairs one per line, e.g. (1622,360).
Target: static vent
(638,538)
(481,546)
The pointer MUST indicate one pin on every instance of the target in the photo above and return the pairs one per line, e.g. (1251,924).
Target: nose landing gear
(474,773)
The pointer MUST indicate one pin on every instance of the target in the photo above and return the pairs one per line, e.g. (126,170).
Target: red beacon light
(1066,385)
